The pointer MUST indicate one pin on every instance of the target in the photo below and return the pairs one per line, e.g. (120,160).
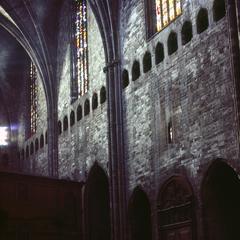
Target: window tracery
(33,98)
(80,68)
(166,11)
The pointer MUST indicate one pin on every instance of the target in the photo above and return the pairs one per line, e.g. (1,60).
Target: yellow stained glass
(178,7)
(158,15)
(171,9)
(81,46)
(165,12)
(33,98)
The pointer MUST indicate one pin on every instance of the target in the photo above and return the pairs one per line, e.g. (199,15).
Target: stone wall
(86,141)
(37,162)
(193,88)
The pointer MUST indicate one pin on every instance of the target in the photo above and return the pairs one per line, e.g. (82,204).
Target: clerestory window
(80,79)
(160,13)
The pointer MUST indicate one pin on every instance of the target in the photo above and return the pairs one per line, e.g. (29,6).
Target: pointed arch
(41,141)
(38,51)
(175,209)
(172,43)
(65,123)
(147,62)
(94,101)
(97,205)
(186,32)
(72,118)
(79,112)
(103,95)
(221,198)
(125,78)
(86,107)
(135,70)
(139,214)
(219,10)
(36,145)
(159,53)
(202,20)
(59,127)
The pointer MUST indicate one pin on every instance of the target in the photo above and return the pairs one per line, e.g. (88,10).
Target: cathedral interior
(119,119)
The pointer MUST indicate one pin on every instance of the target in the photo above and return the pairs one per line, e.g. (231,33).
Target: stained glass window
(81,46)
(33,98)
(158,15)
(166,11)
(171,10)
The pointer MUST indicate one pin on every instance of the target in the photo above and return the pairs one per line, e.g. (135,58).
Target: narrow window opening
(103,95)
(72,118)
(46,137)
(172,43)
(170,132)
(41,141)
(27,152)
(23,154)
(86,107)
(59,127)
(159,53)
(79,113)
(94,101)
(31,148)
(202,20)
(125,78)
(80,48)
(186,32)
(147,62)
(219,10)
(65,123)
(33,99)
(36,145)
(135,71)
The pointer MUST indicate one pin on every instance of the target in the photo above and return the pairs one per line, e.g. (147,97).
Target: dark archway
(65,123)
(27,152)
(125,78)
(221,202)
(172,43)
(186,32)
(159,53)
(202,20)
(135,70)
(94,101)
(41,141)
(103,95)
(31,148)
(72,118)
(59,127)
(219,10)
(97,205)
(36,145)
(86,107)
(140,216)
(46,137)
(175,210)
(147,62)
(79,112)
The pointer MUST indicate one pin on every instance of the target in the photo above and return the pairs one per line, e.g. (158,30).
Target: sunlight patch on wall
(3,136)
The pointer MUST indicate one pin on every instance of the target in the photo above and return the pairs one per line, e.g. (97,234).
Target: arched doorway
(221,202)
(140,216)
(175,210)
(97,205)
